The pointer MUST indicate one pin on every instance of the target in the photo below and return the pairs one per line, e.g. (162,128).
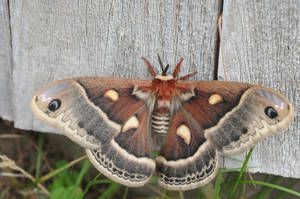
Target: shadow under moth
(120,122)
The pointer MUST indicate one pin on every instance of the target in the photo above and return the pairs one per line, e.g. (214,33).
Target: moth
(120,122)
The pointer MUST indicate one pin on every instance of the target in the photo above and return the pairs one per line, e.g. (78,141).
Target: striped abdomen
(160,123)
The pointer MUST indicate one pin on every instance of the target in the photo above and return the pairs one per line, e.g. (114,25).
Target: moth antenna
(160,63)
(150,67)
(187,76)
(166,69)
(177,68)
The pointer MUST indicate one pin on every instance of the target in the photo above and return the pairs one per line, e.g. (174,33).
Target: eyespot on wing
(62,105)
(50,98)
(273,108)
(276,106)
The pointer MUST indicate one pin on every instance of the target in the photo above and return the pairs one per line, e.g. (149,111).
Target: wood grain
(63,39)
(6,110)
(106,38)
(261,45)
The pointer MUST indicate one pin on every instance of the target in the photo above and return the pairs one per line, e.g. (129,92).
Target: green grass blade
(292,184)
(90,184)
(125,193)
(241,191)
(232,158)
(55,172)
(274,186)
(240,174)
(85,168)
(199,194)
(110,191)
(154,180)
(266,191)
(39,155)
(166,194)
(225,187)
(234,169)
(96,181)
(104,181)
(218,185)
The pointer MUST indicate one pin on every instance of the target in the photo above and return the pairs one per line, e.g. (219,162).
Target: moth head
(164,76)
(274,107)
(51,99)
(163,69)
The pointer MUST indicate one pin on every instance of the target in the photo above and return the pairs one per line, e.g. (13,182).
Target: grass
(71,180)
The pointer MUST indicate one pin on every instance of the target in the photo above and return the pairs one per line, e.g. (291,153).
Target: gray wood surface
(63,39)
(6,108)
(261,45)
(105,38)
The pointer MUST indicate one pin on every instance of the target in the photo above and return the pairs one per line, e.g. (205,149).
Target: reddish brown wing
(102,93)
(183,143)
(187,160)
(226,116)
(108,116)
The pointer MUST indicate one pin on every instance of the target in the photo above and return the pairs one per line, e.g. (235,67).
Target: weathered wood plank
(66,39)
(260,44)
(6,111)
(105,38)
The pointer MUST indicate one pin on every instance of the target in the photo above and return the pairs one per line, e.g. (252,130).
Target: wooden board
(55,40)
(106,38)
(261,45)
(6,110)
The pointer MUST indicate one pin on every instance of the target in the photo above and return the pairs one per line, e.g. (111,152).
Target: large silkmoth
(121,122)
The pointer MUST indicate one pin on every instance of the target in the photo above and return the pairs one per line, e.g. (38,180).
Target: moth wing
(127,158)
(224,116)
(187,159)
(107,116)
(235,116)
